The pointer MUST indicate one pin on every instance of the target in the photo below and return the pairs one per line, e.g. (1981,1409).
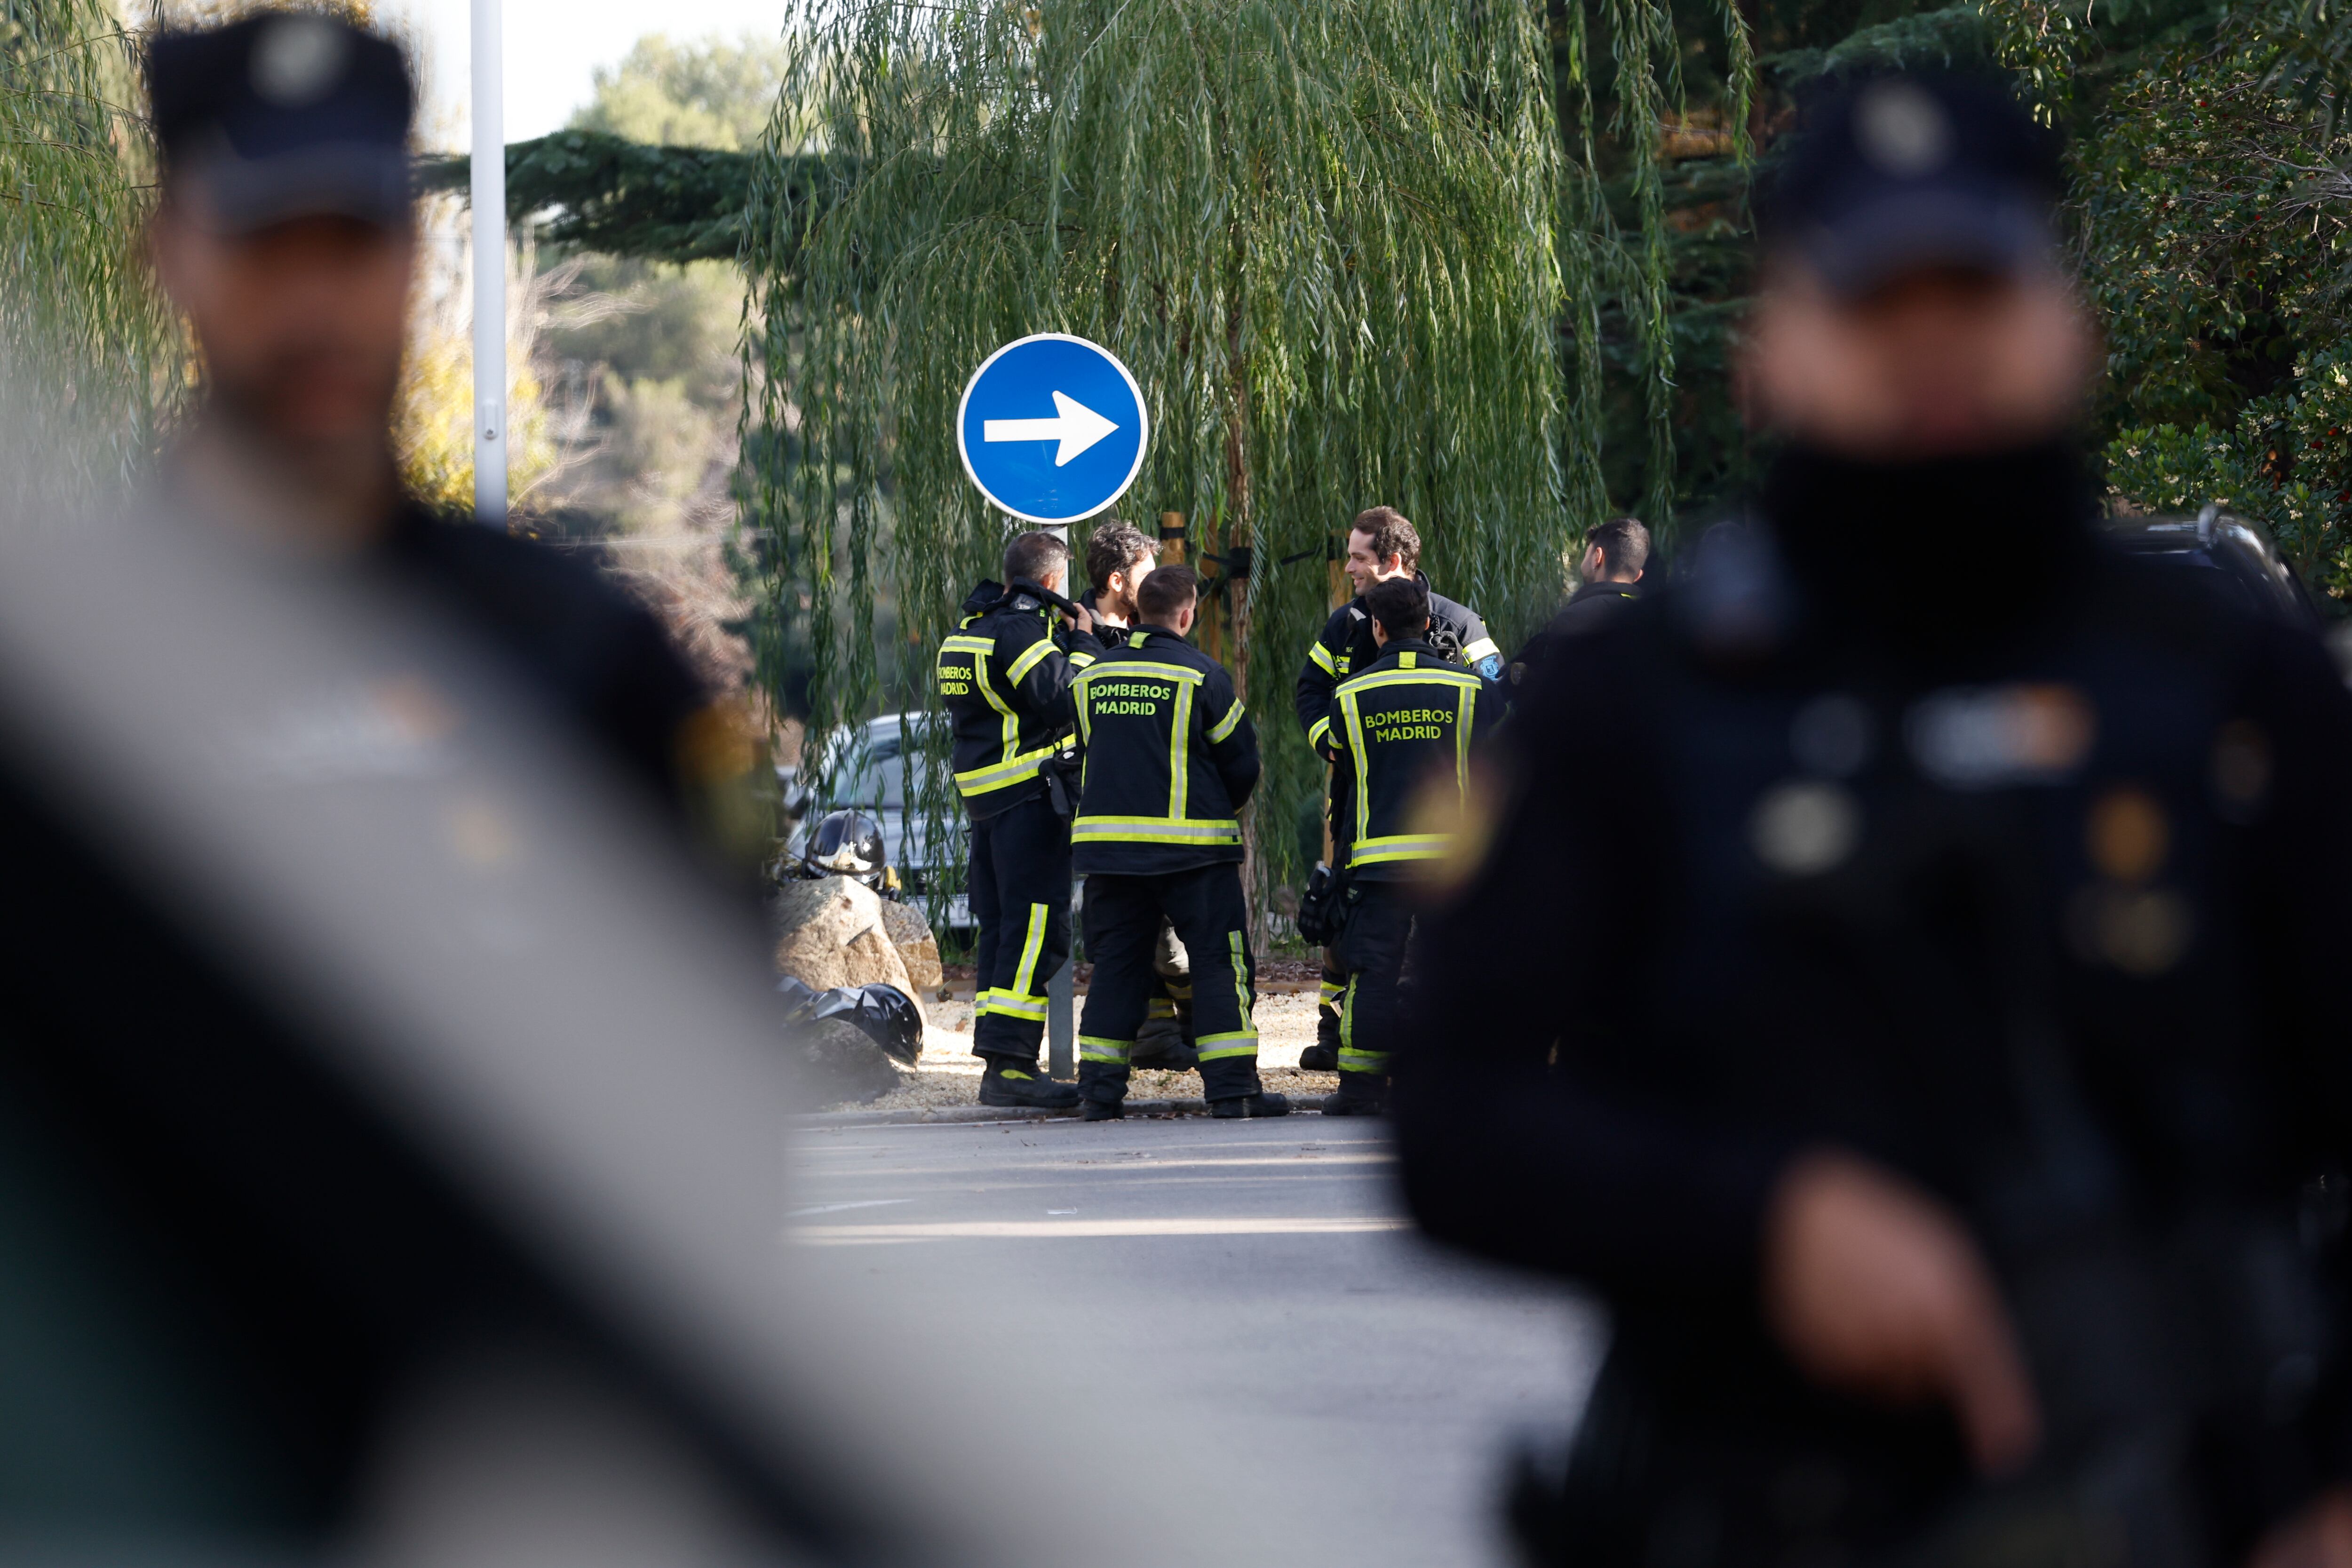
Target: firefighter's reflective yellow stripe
(1225,726)
(1030,659)
(1363,1061)
(1080,658)
(1401,847)
(1180,989)
(1426,675)
(1124,668)
(1154,830)
(1483,649)
(1331,988)
(1008,1005)
(1320,731)
(1464,714)
(983,649)
(1095,1048)
(1322,656)
(1231,1043)
(1179,742)
(1163,1007)
(1244,990)
(1024,979)
(996,775)
(1347,1014)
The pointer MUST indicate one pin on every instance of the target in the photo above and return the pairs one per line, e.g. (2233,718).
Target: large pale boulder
(833,934)
(910,933)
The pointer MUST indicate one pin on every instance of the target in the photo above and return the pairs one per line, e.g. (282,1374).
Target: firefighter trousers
(1020,889)
(1123,914)
(1371,951)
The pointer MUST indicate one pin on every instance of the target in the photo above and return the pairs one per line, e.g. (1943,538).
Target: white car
(873,778)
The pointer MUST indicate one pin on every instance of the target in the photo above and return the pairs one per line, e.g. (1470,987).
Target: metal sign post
(1052,429)
(1061,991)
(490,202)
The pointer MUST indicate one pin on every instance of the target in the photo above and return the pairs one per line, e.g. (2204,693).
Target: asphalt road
(1256,1276)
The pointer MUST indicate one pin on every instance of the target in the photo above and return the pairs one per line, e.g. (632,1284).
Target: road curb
(984,1113)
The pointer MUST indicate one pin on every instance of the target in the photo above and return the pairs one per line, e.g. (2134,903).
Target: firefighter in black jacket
(1170,758)
(1004,678)
(1403,728)
(1381,545)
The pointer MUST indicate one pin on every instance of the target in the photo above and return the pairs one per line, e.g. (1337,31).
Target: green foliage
(2218,251)
(617,196)
(1324,237)
(711,93)
(98,364)
(658,323)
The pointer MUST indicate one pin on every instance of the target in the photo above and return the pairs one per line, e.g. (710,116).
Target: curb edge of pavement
(918,1116)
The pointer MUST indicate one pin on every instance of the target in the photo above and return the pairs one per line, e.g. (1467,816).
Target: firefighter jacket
(1004,679)
(1407,720)
(1171,757)
(1345,645)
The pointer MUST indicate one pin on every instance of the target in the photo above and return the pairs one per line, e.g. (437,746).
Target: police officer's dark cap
(1894,172)
(284,115)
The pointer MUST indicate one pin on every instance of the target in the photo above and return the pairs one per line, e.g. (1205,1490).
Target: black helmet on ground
(846,844)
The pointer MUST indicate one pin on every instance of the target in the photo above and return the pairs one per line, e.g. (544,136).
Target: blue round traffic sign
(1052,428)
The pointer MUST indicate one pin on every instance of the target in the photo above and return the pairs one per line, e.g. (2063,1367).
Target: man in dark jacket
(285,231)
(1004,678)
(1382,545)
(1960,1013)
(1171,758)
(1403,727)
(1609,579)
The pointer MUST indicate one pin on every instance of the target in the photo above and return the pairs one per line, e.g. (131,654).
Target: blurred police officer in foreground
(285,231)
(1403,726)
(1004,679)
(1946,1121)
(1170,758)
(1381,546)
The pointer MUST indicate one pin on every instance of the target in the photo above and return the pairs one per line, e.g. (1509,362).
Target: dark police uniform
(1398,725)
(2039,898)
(597,659)
(1589,609)
(1345,645)
(1004,678)
(1170,758)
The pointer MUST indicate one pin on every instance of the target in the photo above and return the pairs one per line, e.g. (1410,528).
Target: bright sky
(551,48)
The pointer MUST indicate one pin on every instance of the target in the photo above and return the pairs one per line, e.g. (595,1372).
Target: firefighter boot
(1160,1044)
(1361,1094)
(1263,1103)
(1010,1082)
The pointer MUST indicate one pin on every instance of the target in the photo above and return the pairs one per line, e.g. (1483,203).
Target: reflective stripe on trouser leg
(1378,932)
(1327,1007)
(1210,917)
(1028,858)
(1122,925)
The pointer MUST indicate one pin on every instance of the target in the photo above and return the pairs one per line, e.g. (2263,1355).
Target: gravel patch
(948,1073)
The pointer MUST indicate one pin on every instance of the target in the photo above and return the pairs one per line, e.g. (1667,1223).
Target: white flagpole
(489,201)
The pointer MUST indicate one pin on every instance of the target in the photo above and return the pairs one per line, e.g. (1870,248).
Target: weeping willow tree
(93,361)
(1327,238)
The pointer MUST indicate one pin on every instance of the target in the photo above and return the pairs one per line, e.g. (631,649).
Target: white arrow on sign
(1074,425)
